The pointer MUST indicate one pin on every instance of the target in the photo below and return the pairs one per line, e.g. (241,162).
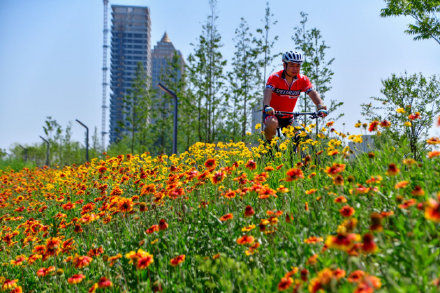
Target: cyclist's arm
(316,98)
(267,96)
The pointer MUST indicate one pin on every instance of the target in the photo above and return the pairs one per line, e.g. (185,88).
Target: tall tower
(130,44)
(104,77)
(162,54)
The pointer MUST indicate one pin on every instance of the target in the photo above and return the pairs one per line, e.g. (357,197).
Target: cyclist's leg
(270,126)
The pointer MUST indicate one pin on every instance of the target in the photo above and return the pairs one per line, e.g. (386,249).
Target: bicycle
(296,141)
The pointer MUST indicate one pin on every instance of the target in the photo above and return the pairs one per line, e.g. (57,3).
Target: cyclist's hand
(269,111)
(322,113)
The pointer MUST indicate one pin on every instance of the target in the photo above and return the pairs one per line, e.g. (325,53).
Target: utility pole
(87,138)
(47,150)
(172,94)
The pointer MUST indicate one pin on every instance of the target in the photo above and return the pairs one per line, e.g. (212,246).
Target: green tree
(425,13)
(206,67)
(244,79)
(316,66)
(136,107)
(413,94)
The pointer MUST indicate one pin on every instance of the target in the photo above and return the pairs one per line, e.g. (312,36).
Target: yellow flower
(407,124)
(258,126)
(248,228)
(400,110)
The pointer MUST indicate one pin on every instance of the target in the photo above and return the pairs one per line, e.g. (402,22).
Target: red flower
(245,239)
(335,169)
(385,123)
(218,177)
(144,261)
(177,260)
(226,217)
(347,211)
(249,211)
(104,283)
(163,225)
(75,279)
(285,283)
(251,165)
(432,209)
(294,174)
(373,126)
(368,245)
(414,116)
(152,229)
(210,164)
(81,261)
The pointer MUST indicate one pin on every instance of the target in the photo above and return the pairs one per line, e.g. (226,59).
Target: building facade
(162,54)
(130,44)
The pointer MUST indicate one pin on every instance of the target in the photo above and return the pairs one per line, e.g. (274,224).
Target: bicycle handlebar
(296,114)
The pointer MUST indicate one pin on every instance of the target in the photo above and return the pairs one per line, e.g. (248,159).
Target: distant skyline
(51,53)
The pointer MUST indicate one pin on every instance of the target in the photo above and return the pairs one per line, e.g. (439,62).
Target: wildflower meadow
(228,217)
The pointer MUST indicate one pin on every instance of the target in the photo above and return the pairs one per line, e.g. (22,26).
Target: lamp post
(87,138)
(172,94)
(47,150)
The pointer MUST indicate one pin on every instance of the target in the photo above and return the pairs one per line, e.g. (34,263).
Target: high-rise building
(130,44)
(162,54)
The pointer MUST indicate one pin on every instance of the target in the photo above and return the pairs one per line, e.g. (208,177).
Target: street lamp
(87,138)
(47,150)
(172,94)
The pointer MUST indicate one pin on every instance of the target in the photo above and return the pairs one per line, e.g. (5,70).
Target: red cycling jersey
(284,97)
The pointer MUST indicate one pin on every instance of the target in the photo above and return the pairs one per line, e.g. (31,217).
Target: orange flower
(438,121)
(433,154)
(249,211)
(343,242)
(45,271)
(269,168)
(347,211)
(75,279)
(104,283)
(251,165)
(285,283)
(373,126)
(144,261)
(335,169)
(81,261)
(433,140)
(125,205)
(152,229)
(245,239)
(340,199)
(230,194)
(414,116)
(418,191)
(432,209)
(210,164)
(177,260)
(9,284)
(163,225)
(385,123)
(401,184)
(392,169)
(311,191)
(407,203)
(294,174)
(68,206)
(356,276)
(226,217)
(313,240)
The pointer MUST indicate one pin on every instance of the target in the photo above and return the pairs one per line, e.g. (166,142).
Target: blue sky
(51,52)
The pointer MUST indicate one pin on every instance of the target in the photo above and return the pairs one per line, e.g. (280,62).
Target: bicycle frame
(313,115)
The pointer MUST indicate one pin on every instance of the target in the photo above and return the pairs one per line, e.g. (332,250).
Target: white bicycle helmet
(294,57)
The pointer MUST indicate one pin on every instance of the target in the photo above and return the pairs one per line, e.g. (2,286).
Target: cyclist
(281,94)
